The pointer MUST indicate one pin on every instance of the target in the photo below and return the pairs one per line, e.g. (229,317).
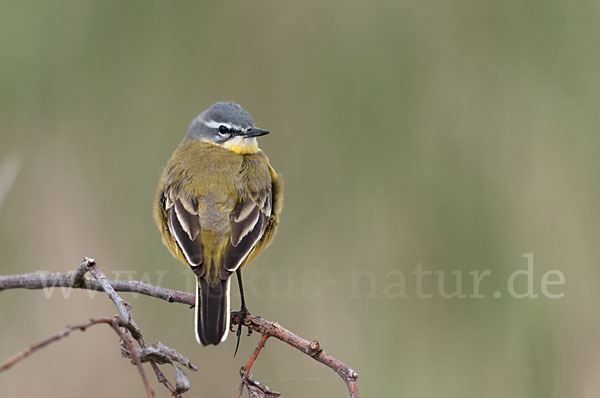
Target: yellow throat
(242,145)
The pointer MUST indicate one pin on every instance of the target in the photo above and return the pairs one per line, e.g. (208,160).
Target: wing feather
(189,221)
(184,226)
(248,226)
(242,226)
(249,220)
(243,210)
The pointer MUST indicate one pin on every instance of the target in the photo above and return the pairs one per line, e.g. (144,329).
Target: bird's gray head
(229,125)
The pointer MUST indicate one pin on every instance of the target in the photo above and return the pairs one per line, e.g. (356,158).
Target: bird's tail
(212,311)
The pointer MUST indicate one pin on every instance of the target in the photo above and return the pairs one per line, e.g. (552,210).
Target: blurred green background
(458,135)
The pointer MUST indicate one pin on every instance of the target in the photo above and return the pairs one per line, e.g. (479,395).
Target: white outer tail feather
(227,314)
(196,309)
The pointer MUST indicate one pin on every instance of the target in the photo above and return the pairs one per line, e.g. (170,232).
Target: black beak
(255,132)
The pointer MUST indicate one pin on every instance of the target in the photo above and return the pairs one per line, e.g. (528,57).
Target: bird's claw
(238,332)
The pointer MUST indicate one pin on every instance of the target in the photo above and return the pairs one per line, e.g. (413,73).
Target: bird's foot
(238,332)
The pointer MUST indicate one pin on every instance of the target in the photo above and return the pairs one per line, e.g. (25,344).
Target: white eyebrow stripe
(214,125)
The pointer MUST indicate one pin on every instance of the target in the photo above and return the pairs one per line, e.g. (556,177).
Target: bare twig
(254,355)
(156,354)
(48,280)
(161,354)
(164,381)
(123,307)
(115,323)
(125,311)
(248,366)
(257,390)
(76,279)
(134,356)
(310,348)
(78,276)
(52,339)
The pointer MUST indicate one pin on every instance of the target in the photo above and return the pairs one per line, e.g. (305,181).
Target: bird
(217,206)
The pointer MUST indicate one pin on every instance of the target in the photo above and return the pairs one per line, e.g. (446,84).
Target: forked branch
(159,353)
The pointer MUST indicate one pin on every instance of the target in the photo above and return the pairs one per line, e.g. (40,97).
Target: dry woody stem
(52,339)
(158,353)
(245,370)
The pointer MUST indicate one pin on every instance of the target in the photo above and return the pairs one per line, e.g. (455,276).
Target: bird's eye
(223,130)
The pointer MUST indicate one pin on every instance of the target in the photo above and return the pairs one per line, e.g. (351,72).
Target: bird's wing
(248,223)
(184,225)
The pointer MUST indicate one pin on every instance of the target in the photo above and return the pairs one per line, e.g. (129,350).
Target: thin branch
(258,324)
(310,348)
(52,339)
(125,311)
(160,376)
(248,366)
(78,276)
(161,354)
(257,390)
(39,280)
(115,323)
(155,354)
(123,307)
(254,355)
(134,356)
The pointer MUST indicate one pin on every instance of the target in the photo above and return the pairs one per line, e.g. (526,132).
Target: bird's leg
(243,311)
